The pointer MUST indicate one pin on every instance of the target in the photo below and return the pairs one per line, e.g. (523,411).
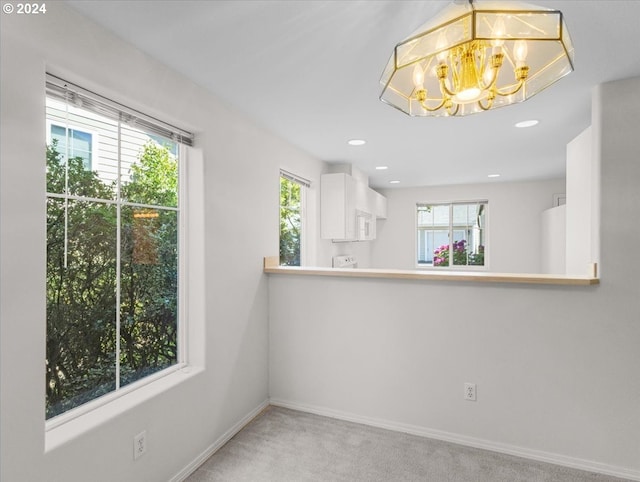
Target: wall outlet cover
(470,392)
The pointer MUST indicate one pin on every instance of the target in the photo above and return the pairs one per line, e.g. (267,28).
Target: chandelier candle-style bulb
(473,57)
(520,52)
(418,77)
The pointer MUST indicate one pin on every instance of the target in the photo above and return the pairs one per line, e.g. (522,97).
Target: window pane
(59,135)
(477,236)
(433,246)
(441,215)
(468,234)
(86,130)
(425,216)
(424,246)
(460,214)
(149,169)
(459,247)
(81,303)
(440,248)
(72,143)
(149,292)
(290,222)
(81,141)
(73,178)
(80,145)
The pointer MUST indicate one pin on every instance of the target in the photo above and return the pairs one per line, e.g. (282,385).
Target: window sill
(438,269)
(271,267)
(70,429)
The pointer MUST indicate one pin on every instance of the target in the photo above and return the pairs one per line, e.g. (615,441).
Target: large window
(292,201)
(452,234)
(113,247)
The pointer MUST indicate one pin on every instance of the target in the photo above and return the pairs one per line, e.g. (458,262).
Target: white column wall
(581,222)
(554,240)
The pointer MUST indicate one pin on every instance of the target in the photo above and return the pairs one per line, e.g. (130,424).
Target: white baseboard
(538,455)
(214,447)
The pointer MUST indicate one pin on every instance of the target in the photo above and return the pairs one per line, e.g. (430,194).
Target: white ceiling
(309,71)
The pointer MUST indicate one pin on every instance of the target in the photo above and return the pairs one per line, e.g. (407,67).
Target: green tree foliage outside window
(290,222)
(83,342)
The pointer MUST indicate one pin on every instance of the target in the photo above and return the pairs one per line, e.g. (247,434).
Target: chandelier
(471,59)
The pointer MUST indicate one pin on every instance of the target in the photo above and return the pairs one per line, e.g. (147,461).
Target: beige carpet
(285,445)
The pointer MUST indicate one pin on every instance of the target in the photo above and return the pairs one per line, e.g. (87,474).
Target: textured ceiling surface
(309,72)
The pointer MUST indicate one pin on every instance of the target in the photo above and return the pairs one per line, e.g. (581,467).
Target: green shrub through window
(451,234)
(112,256)
(291,216)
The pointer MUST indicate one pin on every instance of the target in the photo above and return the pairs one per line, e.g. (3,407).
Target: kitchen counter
(271,266)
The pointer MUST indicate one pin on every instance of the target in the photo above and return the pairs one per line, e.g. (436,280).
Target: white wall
(556,367)
(240,178)
(513,220)
(581,212)
(554,240)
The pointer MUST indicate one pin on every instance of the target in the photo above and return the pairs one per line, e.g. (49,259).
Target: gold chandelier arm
(496,65)
(505,94)
(421,96)
(442,72)
(489,104)
(455,111)
(521,75)
(443,88)
(433,109)
(492,82)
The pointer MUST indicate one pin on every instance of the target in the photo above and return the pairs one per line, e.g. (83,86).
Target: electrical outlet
(470,392)
(139,444)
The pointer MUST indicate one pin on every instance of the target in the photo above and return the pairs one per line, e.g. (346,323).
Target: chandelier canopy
(473,58)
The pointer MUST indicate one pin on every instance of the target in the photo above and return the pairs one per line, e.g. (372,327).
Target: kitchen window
(292,218)
(115,238)
(451,234)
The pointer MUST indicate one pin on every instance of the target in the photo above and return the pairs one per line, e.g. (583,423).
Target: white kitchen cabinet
(348,208)
(380,203)
(362,196)
(338,207)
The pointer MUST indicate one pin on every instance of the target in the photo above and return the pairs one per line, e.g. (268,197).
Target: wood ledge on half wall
(272,266)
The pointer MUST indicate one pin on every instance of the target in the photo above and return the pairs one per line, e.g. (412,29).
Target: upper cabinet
(337,207)
(380,203)
(348,208)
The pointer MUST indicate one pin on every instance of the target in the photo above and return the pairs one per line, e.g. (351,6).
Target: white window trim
(65,431)
(305,184)
(303,224)
(465,267)
(191,310)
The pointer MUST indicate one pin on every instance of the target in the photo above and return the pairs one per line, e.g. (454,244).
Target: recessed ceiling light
(493,175)
(381,168)
(527,123)
(394,182)
(356,142)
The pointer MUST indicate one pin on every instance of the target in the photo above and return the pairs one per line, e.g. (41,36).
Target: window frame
(451,229)
(182,321)
(304,187)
